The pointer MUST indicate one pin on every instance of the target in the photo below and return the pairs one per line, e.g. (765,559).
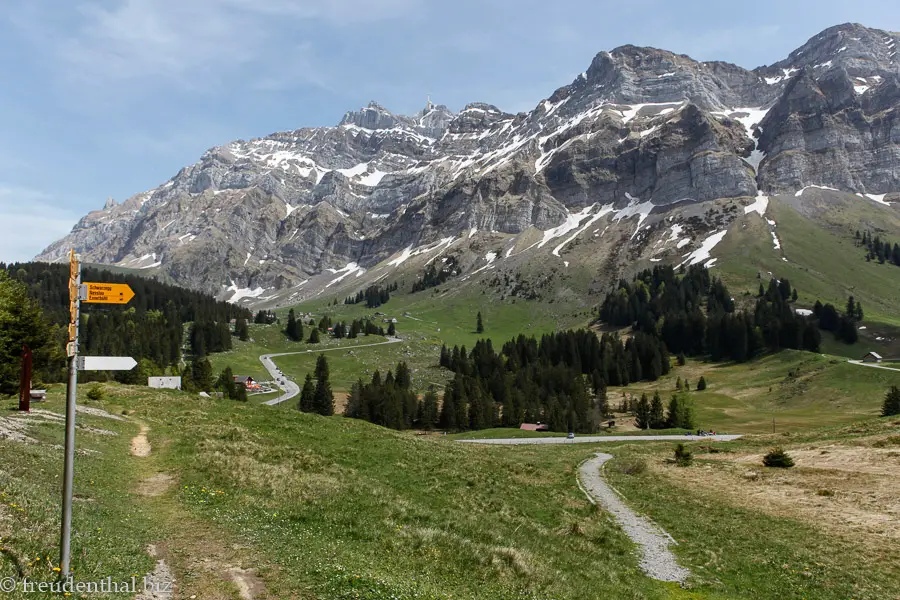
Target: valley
(640,341)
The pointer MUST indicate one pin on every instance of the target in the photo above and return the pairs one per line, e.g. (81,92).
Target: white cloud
(30,223)
(199,44)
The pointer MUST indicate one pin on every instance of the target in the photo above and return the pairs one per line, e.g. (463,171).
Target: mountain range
(647,156)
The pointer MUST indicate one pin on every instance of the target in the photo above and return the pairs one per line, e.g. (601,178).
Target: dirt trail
(155,485)
(196,547)
(158,584)
(140,445)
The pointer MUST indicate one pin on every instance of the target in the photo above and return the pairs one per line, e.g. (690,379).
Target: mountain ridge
(642,130)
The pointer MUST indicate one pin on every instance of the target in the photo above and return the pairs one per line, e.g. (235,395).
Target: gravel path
(592,439)
(657,561)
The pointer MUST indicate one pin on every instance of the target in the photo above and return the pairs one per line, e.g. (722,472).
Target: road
(874,366)
(591,439)
(290,388)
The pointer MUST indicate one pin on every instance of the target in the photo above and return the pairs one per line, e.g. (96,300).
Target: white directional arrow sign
(106,363)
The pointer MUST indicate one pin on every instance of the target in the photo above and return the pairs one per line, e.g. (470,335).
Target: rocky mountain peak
(373,116)
(861,51)
(642,131)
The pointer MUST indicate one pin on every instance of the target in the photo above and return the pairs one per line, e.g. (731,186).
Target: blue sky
(113,97)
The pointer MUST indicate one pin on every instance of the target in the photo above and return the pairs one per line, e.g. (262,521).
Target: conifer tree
(891,405)
(479,324)
(323,400)
(428,416)
(202,375)
(392,330)
(657,418)
(642,413)
(21,322)
(313,336)
(307,395)
(701,385)
(241,329)
(226,384)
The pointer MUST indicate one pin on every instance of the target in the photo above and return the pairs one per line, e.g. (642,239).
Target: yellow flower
(56,569)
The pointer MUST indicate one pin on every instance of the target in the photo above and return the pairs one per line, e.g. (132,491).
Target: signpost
(107,293)
(101,293)
(106,363)
(25,382)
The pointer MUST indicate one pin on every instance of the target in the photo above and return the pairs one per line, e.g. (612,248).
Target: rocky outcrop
(641,129)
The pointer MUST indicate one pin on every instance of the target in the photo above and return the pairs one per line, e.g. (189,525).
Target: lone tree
(891,406)
(323,399)
(307,396)
(479,324)
(392,330)
(701,385)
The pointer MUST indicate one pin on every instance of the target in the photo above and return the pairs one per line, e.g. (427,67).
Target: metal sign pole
(71,393)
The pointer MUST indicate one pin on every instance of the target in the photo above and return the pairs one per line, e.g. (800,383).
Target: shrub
(631,466)
(826,493)
(891,405)
(778,458)
(683,456)
(701,385)
(95,393)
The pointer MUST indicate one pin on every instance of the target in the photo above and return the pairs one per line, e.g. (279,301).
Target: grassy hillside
(799,390)
(822,260)
(300,506)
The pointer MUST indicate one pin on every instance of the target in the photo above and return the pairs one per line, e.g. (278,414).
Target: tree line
(150,328)
(374,296)
(693,314)
(435,276)
(390,401)
(877,249)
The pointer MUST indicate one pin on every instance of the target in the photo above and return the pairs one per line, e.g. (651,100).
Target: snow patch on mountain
(759,206)
(703,252)
(241,293)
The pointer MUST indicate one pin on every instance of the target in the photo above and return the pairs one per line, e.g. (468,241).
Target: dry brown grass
(847,490)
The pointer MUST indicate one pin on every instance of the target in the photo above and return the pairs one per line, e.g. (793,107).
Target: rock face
(641,130)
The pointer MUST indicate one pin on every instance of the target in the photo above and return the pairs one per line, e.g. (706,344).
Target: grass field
(430,323)
(300,506)
(827,524)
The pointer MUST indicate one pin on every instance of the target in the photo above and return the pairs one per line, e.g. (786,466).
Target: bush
(683,456)
(778,458)
(631,466)
(701,385)
(95,393)
(825,493)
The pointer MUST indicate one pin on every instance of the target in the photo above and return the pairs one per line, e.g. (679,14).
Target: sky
(105,98)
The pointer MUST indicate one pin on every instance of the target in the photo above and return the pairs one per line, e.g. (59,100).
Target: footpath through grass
(329,508)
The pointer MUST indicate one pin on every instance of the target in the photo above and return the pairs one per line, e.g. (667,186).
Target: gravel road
(657,561)
(592,439)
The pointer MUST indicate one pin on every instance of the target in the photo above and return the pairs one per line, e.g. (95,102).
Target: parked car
(571,436)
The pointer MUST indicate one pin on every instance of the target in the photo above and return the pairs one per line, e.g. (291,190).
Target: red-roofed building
(534,427)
